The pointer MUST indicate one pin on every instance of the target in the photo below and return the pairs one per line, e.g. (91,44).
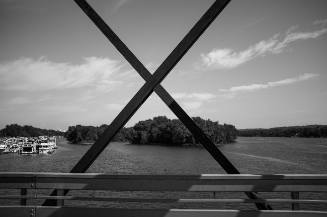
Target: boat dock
(28,145)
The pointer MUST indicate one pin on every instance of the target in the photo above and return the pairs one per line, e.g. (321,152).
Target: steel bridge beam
(153,83)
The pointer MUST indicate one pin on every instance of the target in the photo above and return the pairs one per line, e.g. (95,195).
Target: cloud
(192,105)
(192,101)
(229,58)
(43,104)
(114,106)
(19,101)
(195,96)
(27,74)
(60,109)
(320,22)
(255,87)
(119,4)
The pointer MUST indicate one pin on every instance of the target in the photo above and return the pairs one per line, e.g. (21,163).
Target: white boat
(28,148)
(53,142)
(44,148)
(14,148)
(46,145)
(3,147)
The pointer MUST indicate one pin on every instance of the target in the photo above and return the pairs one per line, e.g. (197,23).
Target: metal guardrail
(31,185)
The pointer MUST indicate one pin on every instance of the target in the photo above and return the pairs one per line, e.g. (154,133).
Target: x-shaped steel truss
(153,84)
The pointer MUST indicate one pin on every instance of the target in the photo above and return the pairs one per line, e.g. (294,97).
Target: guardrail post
(60,192)
(34,186)
(33,212)
(23,193)
(295,196)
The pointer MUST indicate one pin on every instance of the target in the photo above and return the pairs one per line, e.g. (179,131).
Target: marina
(28,145)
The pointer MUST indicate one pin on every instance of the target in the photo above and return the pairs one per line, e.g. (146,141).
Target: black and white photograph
(163,108)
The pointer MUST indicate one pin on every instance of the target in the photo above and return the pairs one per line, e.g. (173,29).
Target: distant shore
(163,131)
(308,131)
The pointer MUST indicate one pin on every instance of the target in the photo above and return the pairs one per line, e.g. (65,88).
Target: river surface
(254,155)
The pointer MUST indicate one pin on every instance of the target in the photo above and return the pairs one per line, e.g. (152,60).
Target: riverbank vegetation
(309,131)
(15,130)
(159,130)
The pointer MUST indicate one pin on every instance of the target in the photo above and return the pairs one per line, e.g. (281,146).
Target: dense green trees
(173,132)
(14,130)
(159,130)
(294,131)
(84,134)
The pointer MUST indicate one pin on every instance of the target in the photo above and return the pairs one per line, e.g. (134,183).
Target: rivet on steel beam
(32,212)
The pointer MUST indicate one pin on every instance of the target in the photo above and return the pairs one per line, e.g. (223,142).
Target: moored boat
(3,147)
(28,148)
(13,148)
(44,148)
(46,145)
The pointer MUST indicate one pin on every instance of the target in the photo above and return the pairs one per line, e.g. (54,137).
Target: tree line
(84,134)
(15,130)
(313,131)
(159,130)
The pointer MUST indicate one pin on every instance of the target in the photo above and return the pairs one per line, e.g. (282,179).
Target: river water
(254,155)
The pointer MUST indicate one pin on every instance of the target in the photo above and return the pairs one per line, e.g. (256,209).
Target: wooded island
(159,130)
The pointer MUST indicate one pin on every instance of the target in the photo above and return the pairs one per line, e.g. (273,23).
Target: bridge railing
(200,190)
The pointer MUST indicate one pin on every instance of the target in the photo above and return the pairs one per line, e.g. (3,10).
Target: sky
(260,64)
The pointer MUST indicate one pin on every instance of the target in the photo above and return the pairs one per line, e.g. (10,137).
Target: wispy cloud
(320,22)
(195,96)
(60,109)
(229,58)
(192,105)
(230,92)
(119,4)
(32,100)
(192,101)
(19,101)
(114,106)
(28,74)
(42,104)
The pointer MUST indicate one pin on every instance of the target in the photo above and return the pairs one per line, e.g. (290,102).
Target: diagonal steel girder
(163,94)
(167,65)
(152,81)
